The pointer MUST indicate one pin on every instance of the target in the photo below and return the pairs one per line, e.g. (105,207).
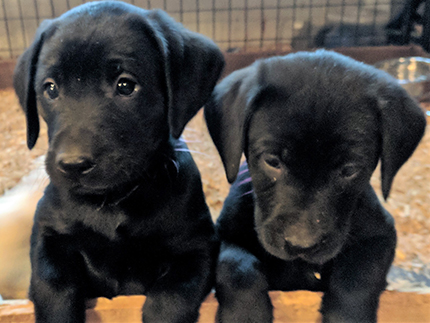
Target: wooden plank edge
(300,306)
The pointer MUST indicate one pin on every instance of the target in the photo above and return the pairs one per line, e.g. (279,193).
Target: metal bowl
(413,74)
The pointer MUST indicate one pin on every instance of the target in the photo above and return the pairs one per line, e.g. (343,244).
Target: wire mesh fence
(235,25)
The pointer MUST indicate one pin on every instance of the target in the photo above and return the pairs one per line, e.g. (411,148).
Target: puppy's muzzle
(299,231)
(301,238)
(74,165)
(308,236)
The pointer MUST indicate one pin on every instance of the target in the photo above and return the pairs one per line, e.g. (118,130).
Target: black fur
(124,212)
(301,213)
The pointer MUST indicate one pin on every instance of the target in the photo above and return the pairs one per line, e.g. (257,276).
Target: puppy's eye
(126,87)
(272,166)
(272,161)
(51,90)
(349,171)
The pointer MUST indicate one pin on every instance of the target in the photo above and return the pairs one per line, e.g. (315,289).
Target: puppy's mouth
(94,182)
(320,253)
(107,184)
(82,189)
(107,196)
(325,249)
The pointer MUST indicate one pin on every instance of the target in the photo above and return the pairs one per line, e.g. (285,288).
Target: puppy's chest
(123,251)
(114,223)
(127,266)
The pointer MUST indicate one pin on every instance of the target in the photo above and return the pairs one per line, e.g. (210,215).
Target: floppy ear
(402,125)
(23,82)
(193,64)
(225,115)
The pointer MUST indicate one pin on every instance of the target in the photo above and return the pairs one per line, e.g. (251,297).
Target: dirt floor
(409,201)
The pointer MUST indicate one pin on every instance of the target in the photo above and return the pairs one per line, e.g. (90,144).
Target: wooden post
(289,307)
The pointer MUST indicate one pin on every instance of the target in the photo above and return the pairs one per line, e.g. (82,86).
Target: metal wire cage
(235,25)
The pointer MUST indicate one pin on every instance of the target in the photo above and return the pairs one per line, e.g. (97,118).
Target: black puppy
(302,214)
(125,211)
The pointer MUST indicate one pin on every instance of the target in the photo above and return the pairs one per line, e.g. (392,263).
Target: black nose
(73,165)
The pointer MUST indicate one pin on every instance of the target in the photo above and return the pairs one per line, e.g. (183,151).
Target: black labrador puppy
(124,212)
(301,213)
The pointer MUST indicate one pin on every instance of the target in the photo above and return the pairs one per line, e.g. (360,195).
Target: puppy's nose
(74,165)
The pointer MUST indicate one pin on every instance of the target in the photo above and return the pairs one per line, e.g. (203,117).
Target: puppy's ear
(23,82)
(402,124)
(225,115)
(193,64)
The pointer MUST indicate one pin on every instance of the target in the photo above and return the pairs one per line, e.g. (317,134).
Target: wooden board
(290,307)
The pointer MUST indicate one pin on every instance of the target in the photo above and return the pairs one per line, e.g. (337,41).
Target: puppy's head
(113,82)
(313,127)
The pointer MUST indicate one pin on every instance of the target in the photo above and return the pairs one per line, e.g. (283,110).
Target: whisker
(40,182)
(176,165)
(39,175)
(127,195)
(103,204)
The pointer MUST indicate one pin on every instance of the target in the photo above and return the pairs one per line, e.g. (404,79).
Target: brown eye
(272,161)
(125,86)
(272,166)
(51,90)
(349,171)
